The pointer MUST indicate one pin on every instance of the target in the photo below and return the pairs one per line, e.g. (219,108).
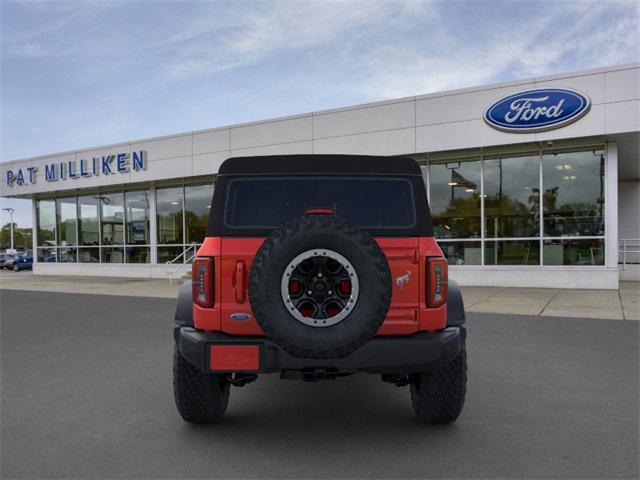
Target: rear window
(370,202)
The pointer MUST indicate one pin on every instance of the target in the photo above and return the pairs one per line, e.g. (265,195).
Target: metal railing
(628,246)
(186,256)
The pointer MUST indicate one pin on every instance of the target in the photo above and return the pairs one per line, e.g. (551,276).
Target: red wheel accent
(306,310)
(345,286)
(294,286)
(333,310)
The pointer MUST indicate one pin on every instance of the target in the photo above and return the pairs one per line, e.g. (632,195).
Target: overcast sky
(81,74)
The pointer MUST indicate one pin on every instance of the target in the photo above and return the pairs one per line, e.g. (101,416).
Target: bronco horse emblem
(402,280)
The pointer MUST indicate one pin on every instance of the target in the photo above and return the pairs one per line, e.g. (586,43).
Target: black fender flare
(184,308)
(455,306)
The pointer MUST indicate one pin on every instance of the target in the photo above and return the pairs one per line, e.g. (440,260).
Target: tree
(22,237)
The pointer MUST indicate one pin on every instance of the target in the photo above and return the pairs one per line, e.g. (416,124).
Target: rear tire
(200,397)
(16,268)
(438,397)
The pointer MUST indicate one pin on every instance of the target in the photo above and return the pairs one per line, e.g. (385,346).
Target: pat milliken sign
(537,110)
(105,165)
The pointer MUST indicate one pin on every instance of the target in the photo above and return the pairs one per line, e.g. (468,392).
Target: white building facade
(531,183)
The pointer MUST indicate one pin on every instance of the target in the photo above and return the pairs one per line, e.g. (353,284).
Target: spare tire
(320,287)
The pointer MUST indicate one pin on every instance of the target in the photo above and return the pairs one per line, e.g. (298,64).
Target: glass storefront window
(571,191)
(137,217)
(46,254)
(137,254)
(462,253)
(67,221)
(455,199)
(196,211)
(512,252)
(169,207)
(46,218)
(166,254)
(66,255)
(89,254)
(512,197)
(112,218)
(88,228)
(574,252)
(573,197)
(112,254)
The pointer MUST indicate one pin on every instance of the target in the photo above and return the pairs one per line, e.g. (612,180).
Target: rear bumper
(420,352)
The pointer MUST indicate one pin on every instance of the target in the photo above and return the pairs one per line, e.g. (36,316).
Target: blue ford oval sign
(537,110)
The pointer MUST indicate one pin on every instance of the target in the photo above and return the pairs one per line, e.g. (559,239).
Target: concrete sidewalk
(609,304)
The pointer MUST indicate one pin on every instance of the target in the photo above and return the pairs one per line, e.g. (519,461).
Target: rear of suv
(318,267)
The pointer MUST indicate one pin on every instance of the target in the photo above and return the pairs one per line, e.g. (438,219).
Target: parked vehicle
(4,258)
(23,261)
(318,267)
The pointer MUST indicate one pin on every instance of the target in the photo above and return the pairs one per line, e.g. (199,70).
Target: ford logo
(537,110)
(240,316)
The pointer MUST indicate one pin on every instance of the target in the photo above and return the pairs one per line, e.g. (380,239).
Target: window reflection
(137,254)
(66,255)
(137,217)
(112,218)
(512,196)
(512,252)
(196,211)
(88,254)
(46,218)
(574,252)
(46,255)
(455,199)
(166,254)
(88,220)
(573,198)
(67,219)
(169,207)
(462,253)
(112,255)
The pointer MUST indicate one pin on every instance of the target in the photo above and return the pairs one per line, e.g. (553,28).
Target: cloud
(560,38)
(269,30)
(102,72)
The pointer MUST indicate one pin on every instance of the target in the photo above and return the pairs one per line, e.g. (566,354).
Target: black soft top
(319,164)
(323,165)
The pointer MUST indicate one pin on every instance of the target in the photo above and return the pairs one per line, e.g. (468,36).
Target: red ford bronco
(317,267)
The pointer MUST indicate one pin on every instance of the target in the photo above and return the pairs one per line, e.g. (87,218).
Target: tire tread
(438,397)
(199,397)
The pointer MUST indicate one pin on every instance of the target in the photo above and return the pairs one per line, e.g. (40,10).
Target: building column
(153,233)
(611,205)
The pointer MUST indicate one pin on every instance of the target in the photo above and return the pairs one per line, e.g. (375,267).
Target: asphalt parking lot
(86,393)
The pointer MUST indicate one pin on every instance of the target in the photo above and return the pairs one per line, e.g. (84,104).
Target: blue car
(23,262)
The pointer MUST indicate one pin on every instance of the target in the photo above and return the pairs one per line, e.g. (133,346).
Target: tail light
(437,281)
(202,281)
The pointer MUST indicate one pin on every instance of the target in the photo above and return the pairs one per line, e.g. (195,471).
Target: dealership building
(533,182)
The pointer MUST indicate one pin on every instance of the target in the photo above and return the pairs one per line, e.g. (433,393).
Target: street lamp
(10,210)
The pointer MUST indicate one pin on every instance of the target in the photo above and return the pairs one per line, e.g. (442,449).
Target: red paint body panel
(237,358)
(408,312)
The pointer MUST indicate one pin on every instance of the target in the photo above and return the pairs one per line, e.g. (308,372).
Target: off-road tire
(438,397)
(16,268)
(314,232)
(200,397)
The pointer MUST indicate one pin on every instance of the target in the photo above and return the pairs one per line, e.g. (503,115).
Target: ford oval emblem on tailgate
(240,316)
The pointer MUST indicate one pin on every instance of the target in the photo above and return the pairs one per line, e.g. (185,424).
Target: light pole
(10,210)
